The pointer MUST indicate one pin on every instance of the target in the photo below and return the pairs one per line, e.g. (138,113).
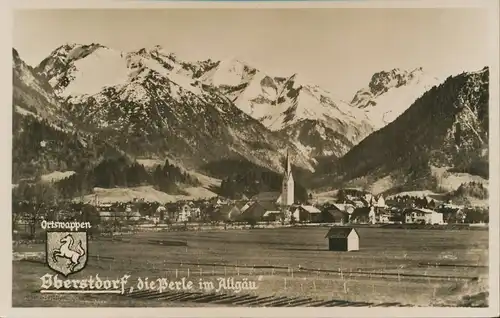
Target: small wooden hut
(343,239)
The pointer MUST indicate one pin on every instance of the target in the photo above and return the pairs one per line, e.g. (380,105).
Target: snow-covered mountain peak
(85,70)
(159,48)
(102,67)
(79,72)
(383,81)
(390,93)
(229,72)
(157,51)
(69,52)
(281,103)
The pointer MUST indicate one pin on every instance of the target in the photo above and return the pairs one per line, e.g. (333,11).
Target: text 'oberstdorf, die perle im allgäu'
(54,283)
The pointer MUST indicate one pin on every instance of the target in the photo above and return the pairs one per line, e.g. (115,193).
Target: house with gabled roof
(423,216)
(260,211)
(231,212)
(338,213)
(274,197)
(307,213)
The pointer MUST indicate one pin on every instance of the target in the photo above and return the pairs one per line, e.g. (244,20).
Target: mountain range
(93,102)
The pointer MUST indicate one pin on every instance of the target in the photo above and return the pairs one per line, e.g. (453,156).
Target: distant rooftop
(266,196)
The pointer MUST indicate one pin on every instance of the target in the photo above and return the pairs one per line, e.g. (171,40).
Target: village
(266,207)
(348,207)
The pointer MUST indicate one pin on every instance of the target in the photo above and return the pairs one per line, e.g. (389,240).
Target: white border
(5,143)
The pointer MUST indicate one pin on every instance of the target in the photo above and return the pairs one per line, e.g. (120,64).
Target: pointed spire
(288,164)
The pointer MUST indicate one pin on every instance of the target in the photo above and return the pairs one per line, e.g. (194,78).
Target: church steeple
(288,168)
(288,187)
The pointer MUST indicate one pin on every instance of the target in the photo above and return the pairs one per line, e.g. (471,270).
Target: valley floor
(411,267)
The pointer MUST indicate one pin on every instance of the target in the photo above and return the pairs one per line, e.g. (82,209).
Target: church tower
(288,186)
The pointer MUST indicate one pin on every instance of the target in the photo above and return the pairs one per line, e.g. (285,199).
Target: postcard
(248,159)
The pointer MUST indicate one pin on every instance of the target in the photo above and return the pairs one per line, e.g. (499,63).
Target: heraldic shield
(66,252)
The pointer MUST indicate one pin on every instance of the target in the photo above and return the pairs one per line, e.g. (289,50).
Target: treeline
(38,147)
(408,201)
(121,172)
(253,182)
(472,189)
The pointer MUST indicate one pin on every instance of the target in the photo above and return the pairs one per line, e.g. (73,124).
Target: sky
(337,49)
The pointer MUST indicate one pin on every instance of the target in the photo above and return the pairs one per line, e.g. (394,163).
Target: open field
(415,267)
(146,193)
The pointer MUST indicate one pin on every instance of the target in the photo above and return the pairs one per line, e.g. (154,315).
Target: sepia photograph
(256,157)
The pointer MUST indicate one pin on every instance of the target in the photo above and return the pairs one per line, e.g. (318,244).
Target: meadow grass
(392,265)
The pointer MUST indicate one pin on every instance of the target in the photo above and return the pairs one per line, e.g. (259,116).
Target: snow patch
(57,176)
(26,112)
(179,79)
(381,185)
(146,193)
(450,181)
(206,181)
(150,163)
(136,93)
(418,194)
(228,73)
(104,67)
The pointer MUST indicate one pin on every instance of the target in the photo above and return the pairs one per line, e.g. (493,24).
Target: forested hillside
(446,127)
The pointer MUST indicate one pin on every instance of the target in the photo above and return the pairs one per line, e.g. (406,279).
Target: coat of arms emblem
(66,252)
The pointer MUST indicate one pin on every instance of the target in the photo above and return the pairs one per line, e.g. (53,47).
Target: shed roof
(344,207)
(340,232)
(269,206)
(336,212)
(268,213)
(422,210)
(266,196)
(240,204)
(226,209)
(310,209)
(359,203)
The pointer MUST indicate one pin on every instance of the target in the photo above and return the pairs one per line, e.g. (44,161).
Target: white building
(196,212)
(426,216)
(288,185)
(184,213)
(372,216)
(380,202)
(384,218)
(159,215)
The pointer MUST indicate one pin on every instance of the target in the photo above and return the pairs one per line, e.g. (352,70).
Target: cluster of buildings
(363,207)
(276,206)
(350,206)
(265,206)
